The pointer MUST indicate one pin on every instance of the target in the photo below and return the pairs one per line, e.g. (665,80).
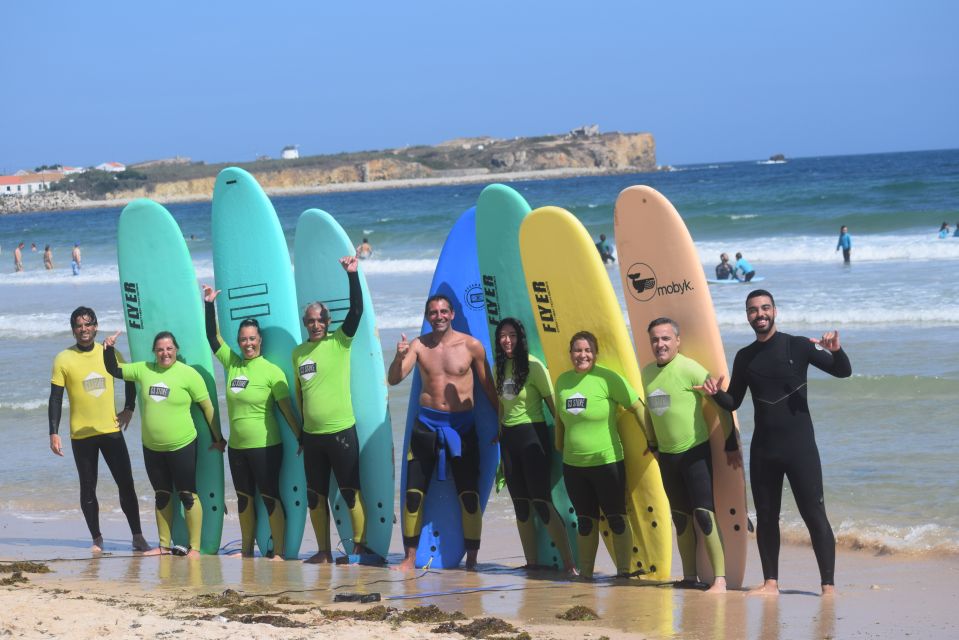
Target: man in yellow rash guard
(254,386)
(322,366)
(95,426)
(679,437)
(169,435)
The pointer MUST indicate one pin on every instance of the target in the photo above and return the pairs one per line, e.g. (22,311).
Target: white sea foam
(744,216)
(839,316)
(28,405)
(399,265)
(806,249)
(38,325)
(89,274)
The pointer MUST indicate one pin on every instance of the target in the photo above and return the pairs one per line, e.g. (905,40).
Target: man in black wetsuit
(774,369)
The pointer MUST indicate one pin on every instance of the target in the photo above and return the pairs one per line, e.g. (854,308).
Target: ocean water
(886,435)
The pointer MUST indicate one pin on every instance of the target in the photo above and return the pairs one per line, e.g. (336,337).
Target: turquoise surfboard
(160,293)
(251,261)
(457,276)
(318,245)
(499,213)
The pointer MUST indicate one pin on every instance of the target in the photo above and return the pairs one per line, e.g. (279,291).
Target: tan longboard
(662,276)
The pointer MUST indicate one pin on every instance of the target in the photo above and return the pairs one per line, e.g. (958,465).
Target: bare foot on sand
(409,562)
(140,543)
(97,546)
(320,557)
(157,551)
(193,554)
(276,558)
(828,590)
(768,588)
(719,586)
(471,559)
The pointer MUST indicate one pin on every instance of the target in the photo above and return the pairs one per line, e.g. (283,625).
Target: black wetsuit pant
(337,452)
(421,460)
(593,488)
(86,455)
(257,468)
(525,452)
(169,469)
(791,455)
(688,479)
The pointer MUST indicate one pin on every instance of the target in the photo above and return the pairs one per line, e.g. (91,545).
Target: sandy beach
(880,596)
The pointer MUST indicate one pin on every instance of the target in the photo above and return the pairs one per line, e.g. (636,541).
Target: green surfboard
(318,245)
(159,293)
(499,213)
(251,261)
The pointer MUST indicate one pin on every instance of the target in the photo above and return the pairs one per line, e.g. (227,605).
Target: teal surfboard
(499,213)
(160,293)
(318,245)
(251,261)
(457,277)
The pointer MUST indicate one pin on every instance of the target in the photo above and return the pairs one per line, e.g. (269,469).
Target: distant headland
(582,151)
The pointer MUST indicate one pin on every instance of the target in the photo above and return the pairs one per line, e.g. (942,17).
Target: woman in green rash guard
(523,385)
(587,399)
(169,435)
(254,385)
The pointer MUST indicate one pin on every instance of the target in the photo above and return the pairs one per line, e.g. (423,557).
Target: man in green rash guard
(169,434)
(330,442)
(254,387)
(679,438)
(95,426)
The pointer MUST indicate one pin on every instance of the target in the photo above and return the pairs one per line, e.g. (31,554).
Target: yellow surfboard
(570,291)
(662,276)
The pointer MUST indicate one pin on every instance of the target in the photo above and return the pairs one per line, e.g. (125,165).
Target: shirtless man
(18,258)
(75,259)
(444,429)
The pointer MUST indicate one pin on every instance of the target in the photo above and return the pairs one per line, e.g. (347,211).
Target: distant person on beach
(524,387)
(724,270)
(774,369)
(447,360)
(678,436)
(255,451)
(330,441)
(845,243)
(588,398)
(95,426)
(48,258)
(169,435)
(955,233)
(75,259)
(365,250)
(605,251)
(744,270)
(18,258)
(943,231)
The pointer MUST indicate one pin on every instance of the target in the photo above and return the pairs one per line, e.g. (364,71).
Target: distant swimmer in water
(75,259)
(943,231)
(605,251)
(33,247)
(955,234)
(724,270)
(774,368)
(845,243)
(744,270)
(18,258)
(48,258)
(365,250)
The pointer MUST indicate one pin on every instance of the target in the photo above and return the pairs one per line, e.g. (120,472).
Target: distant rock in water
(778,157)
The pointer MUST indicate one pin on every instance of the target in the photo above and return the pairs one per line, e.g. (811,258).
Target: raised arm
(402,362)
(352,321)
(110,356)
(213,337)
(831,358)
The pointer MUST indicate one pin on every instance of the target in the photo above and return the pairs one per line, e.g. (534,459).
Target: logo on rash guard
(576,404)
(95,384)
(658,402)
(239,383)
(509,389)
(307,370)
(159,392)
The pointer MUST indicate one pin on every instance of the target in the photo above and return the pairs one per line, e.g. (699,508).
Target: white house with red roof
(112,167)
(27,183)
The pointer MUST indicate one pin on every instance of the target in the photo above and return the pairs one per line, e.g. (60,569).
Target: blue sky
(217,81)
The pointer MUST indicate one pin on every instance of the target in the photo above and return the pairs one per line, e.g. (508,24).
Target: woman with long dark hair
(523,386)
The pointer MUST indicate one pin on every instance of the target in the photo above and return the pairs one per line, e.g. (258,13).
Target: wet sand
(880,596)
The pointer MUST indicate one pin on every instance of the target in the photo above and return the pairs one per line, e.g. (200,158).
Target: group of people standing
(584,405)
(75,257)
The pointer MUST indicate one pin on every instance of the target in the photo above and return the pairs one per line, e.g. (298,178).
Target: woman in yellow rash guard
(523,386)
(169,436)
(587,399)
(254,385)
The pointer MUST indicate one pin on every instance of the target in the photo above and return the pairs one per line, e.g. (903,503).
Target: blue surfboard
(457,276)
